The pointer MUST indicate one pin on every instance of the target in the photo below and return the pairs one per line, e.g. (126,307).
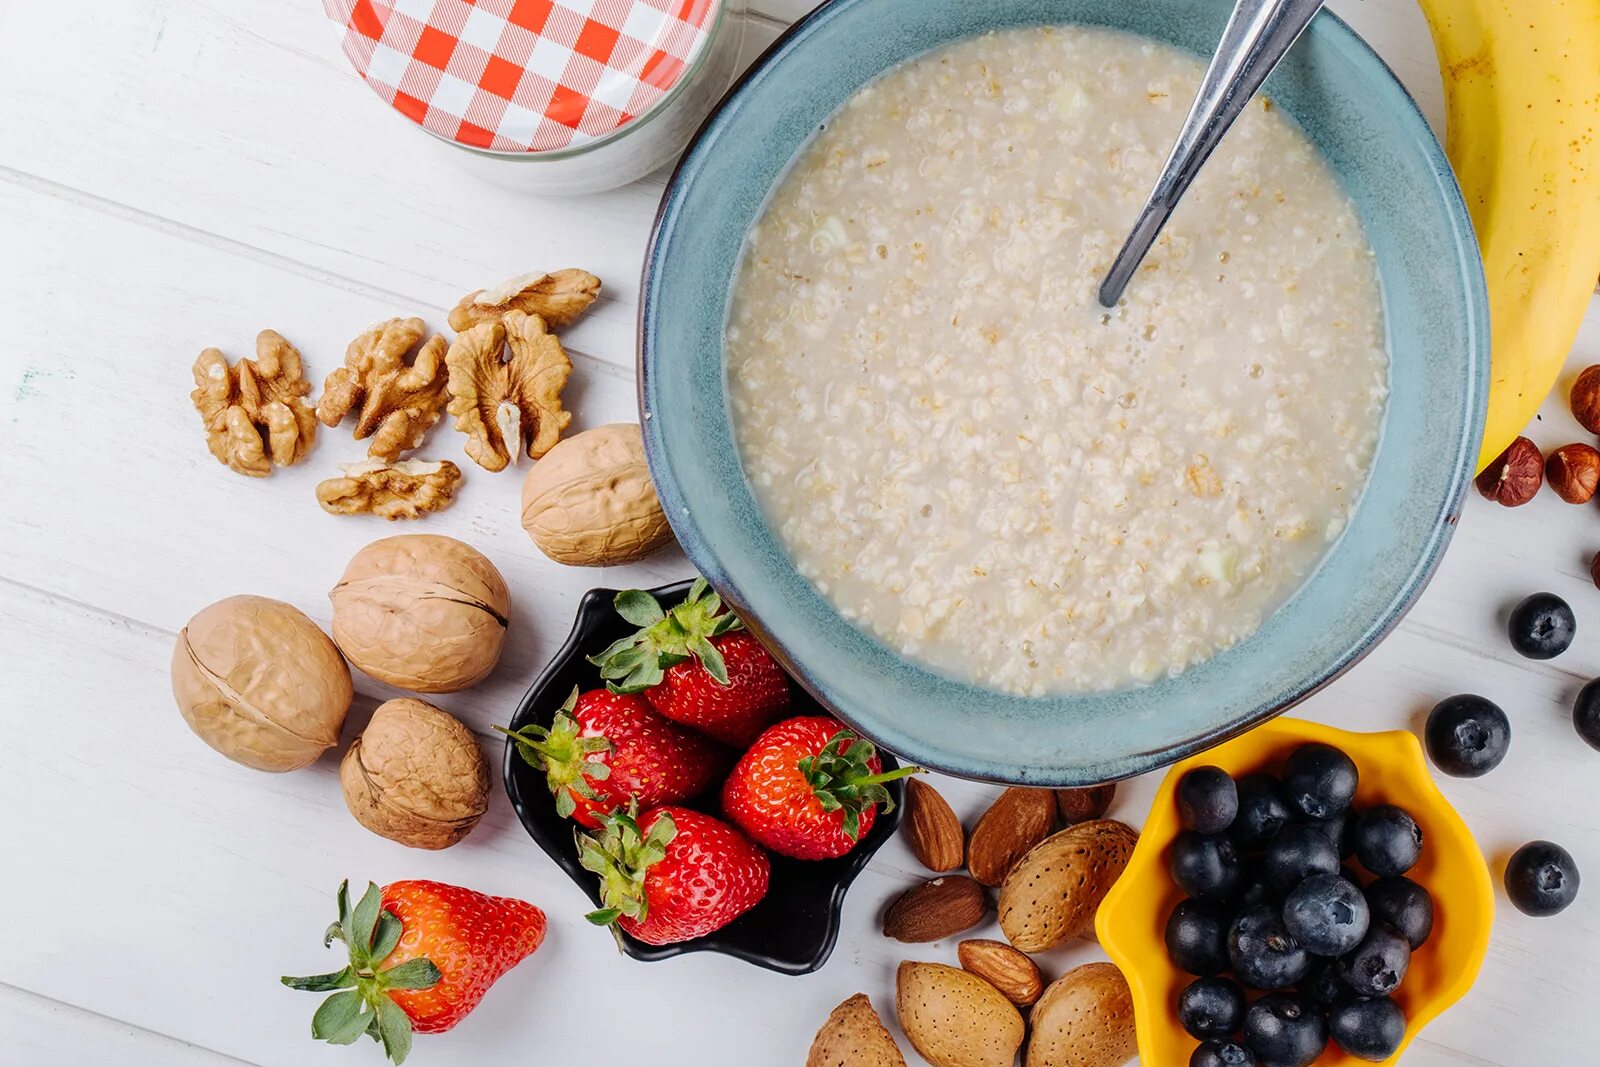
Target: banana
(1522,95)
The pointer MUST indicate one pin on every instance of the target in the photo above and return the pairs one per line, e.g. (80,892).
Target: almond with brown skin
(1053,892)
(1019,819)
(1081,805)
(935,910)
(931,829)
(1010,971)
(956,1019)
(854,1036)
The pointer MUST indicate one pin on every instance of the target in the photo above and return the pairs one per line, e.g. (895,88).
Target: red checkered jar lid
(523,75)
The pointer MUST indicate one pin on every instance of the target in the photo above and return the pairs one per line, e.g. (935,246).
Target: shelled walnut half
(506,407)
(256,412)
(396,400)
(405,489)
(557,298)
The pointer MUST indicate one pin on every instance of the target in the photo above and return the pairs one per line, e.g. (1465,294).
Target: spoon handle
(1258,34)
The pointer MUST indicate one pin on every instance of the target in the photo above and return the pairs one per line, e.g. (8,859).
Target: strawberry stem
(621,854)
(841,778)
(567,759)
(666,638)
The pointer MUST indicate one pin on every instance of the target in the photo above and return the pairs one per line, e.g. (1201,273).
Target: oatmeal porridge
(974,461)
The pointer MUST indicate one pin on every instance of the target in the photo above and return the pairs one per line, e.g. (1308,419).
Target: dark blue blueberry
(1327,915)
(1542,626)
(1222,1054)
(1388,841)
(1197,937)
(1207,800)
(1404,905)
(1467,735)
(1263,811)
(1541,878)
(1285,1030)
(1337,830)
(1323,986)
(1205,866)
(1377,966)
(1319,780)
(1368,1029)
(1211,1007)
(1263,954)
(1586,713)
(1298,852)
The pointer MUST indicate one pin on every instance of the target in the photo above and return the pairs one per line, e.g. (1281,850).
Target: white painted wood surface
(181,173)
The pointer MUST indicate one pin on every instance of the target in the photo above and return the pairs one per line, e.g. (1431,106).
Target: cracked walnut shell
(396,402)
(506,407)
(557,298)
(590,502)
(256,413)
(416,775)
(406,489)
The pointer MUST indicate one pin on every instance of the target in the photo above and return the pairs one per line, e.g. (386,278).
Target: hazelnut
(1514,476)
(1594,570)
(416,776)
(1081,805)
(1573,471)
(1585,399)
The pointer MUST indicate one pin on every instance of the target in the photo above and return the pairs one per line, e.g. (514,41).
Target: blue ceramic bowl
(1377,142)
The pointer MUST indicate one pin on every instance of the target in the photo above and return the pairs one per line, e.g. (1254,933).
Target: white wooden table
(181,173)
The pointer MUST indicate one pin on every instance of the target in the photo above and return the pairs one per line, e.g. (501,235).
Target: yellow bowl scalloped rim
(1132,919)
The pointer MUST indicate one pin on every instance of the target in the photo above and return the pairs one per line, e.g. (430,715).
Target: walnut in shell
(421,612)
(256,413)
(396,400)
(557,298)
(405,489)
(506,407)
(260,683)
(416,776)
(590,503)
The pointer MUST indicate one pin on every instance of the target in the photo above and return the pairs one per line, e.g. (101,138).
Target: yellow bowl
(1132,920)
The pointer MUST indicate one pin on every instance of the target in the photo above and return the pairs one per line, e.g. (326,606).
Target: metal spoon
(1258,34)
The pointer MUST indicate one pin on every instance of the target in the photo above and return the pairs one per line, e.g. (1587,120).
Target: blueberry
(1404,905)
(1348,873)
(1285,1030)
(1376,967)
(1586,713)
(1323,986)
(1327,915)
(1298,852)
(1467,736)
(1197,937)
(1387,840)
(1263,811)
(1263,953)
(1541,878)
(1222,1054)
(1542,626)
(1207,800)
(1205,866)
(1368,1029)
(1336,829)
(1211,1007)
(1256,888)
(1320,780)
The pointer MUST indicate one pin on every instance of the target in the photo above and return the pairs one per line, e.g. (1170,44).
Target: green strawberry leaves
(841,778)
(666,638)
(568,760)
(621,854)
(361,1004)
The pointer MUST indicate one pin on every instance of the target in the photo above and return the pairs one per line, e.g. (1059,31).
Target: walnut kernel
(256,413)
(395,400)
(405,489)
(557,298)
(1514,476)
(506,407)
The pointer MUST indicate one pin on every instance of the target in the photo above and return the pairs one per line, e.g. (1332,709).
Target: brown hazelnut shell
(416,775)
(1514,476)
(1573,471)
(1585,399)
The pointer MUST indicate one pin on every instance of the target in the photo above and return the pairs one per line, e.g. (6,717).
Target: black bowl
(794,928)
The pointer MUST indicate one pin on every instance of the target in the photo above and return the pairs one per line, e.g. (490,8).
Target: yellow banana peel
(1522,96)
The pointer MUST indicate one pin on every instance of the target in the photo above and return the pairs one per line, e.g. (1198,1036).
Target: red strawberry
(603,747)
(808,788)
(672,873)
(696,665)
(444,946)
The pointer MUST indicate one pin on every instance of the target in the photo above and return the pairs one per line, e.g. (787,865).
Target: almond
(1010,971)
(1017,820)
(932,831)
(1085,1019)
(1054,891)
(1081,805)
(854,1036)
(936,910)
(955,1019)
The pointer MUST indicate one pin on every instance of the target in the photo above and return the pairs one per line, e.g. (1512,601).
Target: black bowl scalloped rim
(794,928)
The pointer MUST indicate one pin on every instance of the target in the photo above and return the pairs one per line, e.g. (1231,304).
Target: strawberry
(808,788)
(443,947)
(672,873)
(696,665)
(603,748)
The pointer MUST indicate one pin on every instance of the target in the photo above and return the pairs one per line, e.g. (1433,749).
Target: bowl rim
(1478,892)
(934,755)
(723,941)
